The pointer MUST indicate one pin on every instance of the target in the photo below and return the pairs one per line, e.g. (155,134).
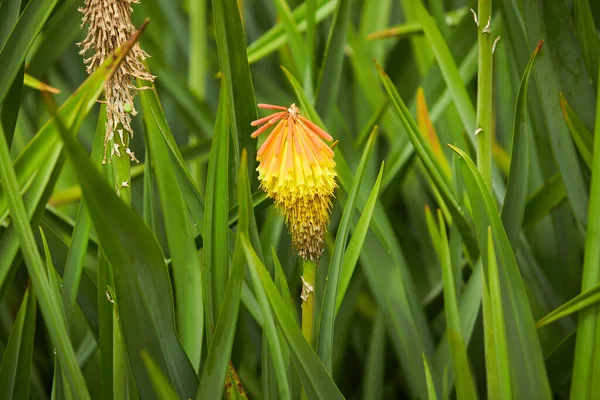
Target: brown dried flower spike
(109,26)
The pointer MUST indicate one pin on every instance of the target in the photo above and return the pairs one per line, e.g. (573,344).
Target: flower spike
(296,169)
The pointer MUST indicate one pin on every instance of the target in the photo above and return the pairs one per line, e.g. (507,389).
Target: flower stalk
(484,91)
(308,300)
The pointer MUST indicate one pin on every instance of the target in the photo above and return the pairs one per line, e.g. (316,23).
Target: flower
(297,170)
(109,26)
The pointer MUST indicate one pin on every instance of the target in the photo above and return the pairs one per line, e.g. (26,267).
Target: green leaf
(495,327)
(313,374)
(435,170)
(81,232)
(213,375)
(154,115)
(357,241)
(35,202)
(50,305)
(583,138)
(231,45)
(8,17)
(374,377)
(449,70)
(465,386)
(584,382)
(73,112)
(432,395)
(161,384)
(142,284)
(550,69)
(518,179)
(330,74)
(540,204)
(297,44)
(271,332)
(185,261)
(584,299)
(588,36)
(468,308)
(17,359)
(216,225)
(530,379)
(327,316)
(276,37)
(22,35)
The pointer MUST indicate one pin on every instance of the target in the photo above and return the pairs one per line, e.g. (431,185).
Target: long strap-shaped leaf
(327,316)
(528,373)
(516,189)
(213,375)
(143,292)
(16,362)
(21,38)
(313,374)
(585,382)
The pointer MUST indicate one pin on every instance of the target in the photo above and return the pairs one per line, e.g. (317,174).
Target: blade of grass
(142,287)
(233,59)
(584,382)
(499,356)
(514,204)
(588,37)
(440,180)
(373,380)
(582,300)
(50,306)
(551,195)
(357,240)
(525,350)
(185,261)
(330,74)
(275,37)
(17,359)
(81,232)
(313,374)
(582,136)
(431,394)
(465,386)
(73,111)
(213,374)
(547,79)
(216,227)
(297,45)
(327,316)
(449,71)
(161,384)
(21,37)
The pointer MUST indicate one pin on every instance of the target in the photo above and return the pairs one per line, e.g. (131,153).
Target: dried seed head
(109,26)
(297,171)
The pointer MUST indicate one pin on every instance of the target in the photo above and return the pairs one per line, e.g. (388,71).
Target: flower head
(297,171)
(109,26)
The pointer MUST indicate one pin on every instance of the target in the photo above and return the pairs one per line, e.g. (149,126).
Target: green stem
(484,92)
(308,300)
(122,169)
(308,303)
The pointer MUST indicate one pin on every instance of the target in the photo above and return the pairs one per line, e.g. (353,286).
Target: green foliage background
(456,264)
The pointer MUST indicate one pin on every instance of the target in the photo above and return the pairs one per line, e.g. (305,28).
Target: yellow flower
(297,171)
